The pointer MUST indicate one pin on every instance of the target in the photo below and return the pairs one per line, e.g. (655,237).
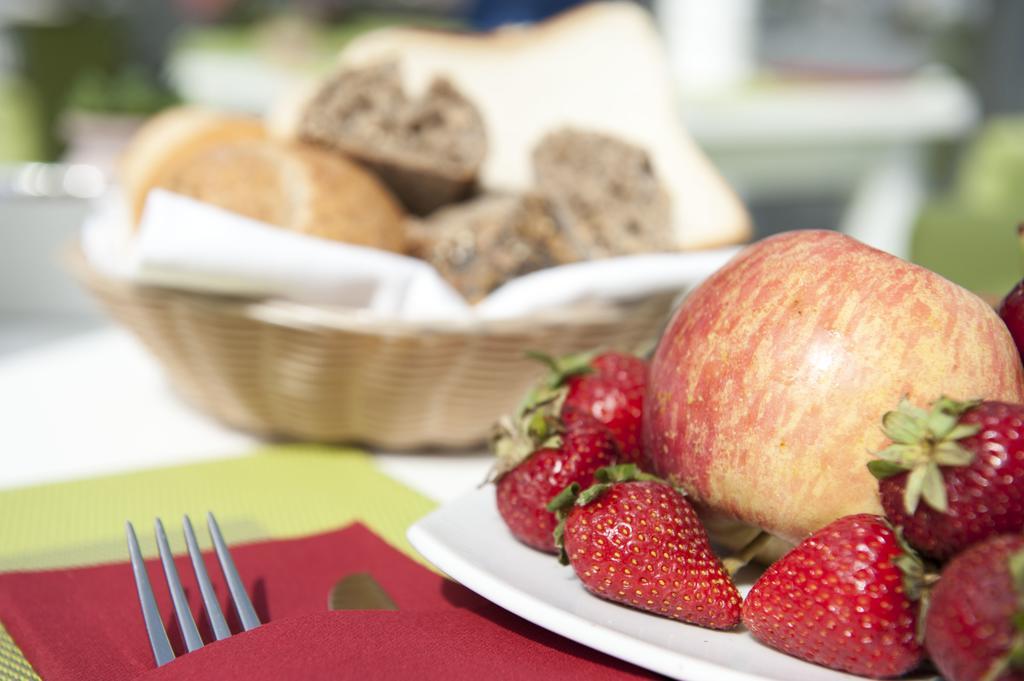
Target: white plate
(467,540)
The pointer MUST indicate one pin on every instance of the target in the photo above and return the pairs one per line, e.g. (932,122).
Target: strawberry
(635,539)
(527,484)
(608,387)
(975,625)
(839,599)
(954,474)
(1011,308)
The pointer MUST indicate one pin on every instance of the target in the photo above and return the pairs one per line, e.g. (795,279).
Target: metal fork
(189,632)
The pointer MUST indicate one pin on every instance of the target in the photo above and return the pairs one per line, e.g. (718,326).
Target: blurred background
(896,121)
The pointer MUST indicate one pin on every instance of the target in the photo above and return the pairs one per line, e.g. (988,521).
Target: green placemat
(13,665)
(280,491)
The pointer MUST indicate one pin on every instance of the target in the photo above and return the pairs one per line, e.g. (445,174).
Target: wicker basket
(301,372)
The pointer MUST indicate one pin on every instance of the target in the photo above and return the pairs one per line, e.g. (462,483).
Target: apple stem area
(738,560)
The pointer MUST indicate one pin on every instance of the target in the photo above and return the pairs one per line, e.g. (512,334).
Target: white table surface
(97,404)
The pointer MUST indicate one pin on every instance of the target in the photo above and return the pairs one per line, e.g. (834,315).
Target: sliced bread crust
(299,187)
(604,194)
(427,149)
(169,140)
(480,244)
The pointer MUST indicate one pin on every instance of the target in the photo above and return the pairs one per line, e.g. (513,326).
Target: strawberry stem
(564,500)
(563,368)
(623,472)
(560,505)
(738,560)
(918,577)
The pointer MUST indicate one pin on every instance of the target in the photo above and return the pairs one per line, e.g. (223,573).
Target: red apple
(766,392)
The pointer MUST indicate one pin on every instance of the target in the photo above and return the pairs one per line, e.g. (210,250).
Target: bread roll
(171,138)
(427,149)
(300,187)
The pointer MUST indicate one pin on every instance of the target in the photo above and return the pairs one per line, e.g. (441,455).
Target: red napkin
(85,623)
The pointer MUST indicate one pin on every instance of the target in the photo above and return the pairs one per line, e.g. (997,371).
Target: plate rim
(591,634)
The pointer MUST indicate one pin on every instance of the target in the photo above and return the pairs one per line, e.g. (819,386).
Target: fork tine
(213,611)
(150,613)
(193,641)
(246,613)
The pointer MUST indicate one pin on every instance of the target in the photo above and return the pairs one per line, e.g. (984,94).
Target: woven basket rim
(309,316)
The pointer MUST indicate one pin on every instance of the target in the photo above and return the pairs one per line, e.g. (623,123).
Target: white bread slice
(600,67)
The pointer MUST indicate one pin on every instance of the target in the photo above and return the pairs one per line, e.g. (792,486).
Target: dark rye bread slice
(480,244)
(428,150)
(596,197)
(604,194)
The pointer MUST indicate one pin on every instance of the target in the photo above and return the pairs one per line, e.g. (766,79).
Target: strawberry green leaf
(999,665)
(544,430)
(624,472)
(945,414)
(542,357)
(560,505)
(591,493)
(964,430)
(955,407)
(944,418)
(922,442)
(914,412)
(607,476)
(1013,658)
(562,368)
(941,423)
(535,425)
(885,469)
(1017,574)
(564,499)
(918,579)
(901,427)
(951,454)
(542,399)
(933,488)
(906,455)
(913,574)
(512,444)
(912,494)
(559,536)
(1017,653)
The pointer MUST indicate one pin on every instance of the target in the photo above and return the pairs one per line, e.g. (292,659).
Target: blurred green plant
(128,90)
(21,135)
(53,56)
(284,32)
(969,235)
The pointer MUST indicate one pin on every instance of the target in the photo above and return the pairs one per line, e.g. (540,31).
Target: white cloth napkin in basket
(186,244)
